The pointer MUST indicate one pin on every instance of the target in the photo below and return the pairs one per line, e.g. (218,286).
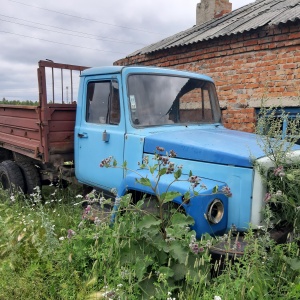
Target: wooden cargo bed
(23,130)
(44,132)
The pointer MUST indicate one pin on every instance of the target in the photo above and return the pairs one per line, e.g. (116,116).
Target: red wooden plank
(19,122)
(28,112)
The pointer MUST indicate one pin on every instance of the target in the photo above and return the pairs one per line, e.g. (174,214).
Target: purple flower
(170,168)
(160,149)
(70,233)
(172,153)
(165,160)
(279,171)
(268,197)
(106,162)
(87,211)
(226,191)
(194,180)
(194,246)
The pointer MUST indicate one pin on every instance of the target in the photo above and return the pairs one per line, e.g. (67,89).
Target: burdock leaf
(169,196)
(144,181)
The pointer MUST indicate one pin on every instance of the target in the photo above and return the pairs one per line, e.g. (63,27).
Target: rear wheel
(11,177)
(31,176)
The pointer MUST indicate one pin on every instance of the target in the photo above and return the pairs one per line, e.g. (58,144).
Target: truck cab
(127,112)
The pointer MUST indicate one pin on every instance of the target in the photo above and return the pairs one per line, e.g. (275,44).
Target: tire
(31,176)
(11,177)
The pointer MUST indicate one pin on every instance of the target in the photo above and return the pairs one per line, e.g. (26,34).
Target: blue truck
(128,113)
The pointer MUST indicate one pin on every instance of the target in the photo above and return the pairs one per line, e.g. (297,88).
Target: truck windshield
(161,100)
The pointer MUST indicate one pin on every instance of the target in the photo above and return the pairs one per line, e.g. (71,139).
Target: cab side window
(103,102)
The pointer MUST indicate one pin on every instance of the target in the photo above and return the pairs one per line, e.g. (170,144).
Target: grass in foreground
(50,249)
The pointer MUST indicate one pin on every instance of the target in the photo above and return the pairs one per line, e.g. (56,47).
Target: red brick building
(252,53)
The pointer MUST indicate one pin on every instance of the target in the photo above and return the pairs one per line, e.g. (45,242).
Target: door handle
(82,135)
(105,136)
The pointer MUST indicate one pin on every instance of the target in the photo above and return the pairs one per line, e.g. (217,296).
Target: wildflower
(164,160)
(208,243)
(160,149)
(279,171)
(194,245)
(86,212)
(268,197)
(194,248)
(172,153)
(124,273)
(170,168)
(217,298)
(101,200)
(61,238)
(260,227)
(12,198)
(279,193)
(194,180)
(88,209)
(226,191)
(70,233)
(106,162)
(146,160)
(170,298)
(237,246)
(170,238)
(97,221)
(224,237)
(79,196)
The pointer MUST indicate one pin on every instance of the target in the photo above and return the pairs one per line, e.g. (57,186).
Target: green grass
(40,258)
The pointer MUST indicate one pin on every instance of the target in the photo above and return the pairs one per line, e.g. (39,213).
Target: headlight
(215,211)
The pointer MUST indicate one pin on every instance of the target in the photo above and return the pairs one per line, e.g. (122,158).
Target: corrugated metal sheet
(251,16)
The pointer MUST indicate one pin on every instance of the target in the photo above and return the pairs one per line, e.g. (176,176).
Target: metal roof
(251,16)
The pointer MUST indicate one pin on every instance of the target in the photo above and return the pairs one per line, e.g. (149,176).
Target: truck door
(100,133)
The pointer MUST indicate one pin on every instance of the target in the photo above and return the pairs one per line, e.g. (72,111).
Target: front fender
(198,205)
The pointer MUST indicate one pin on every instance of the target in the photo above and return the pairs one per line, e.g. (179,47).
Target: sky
(81,32)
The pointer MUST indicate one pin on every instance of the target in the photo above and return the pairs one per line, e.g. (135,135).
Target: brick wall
(262,64)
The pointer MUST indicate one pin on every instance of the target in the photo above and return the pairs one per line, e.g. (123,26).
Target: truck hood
(216,145)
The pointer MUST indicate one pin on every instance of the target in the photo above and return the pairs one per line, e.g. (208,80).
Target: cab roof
(141,69)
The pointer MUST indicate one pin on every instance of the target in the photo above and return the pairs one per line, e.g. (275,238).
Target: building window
(281,117)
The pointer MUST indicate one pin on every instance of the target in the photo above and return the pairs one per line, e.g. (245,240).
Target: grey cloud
(116,19)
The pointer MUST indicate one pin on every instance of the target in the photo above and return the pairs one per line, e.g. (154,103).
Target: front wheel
(11,177)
